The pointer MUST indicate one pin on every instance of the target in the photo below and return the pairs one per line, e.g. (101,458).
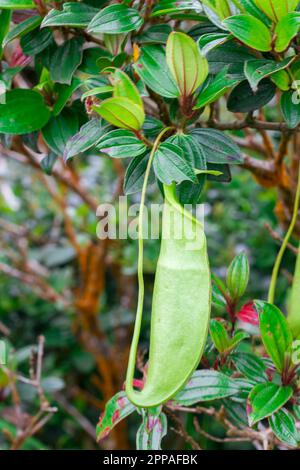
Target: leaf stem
(284,245)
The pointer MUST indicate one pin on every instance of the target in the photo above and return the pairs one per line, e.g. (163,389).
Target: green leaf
(251,31)
(286,30)
(152,430)
(209,41)
(217,147)
(153,70)
(276,9)
(134,176)
(17,4)
(258,69)
(5,17)
(156,34)
(165,7)
(121,144)
(265,399)
(114,19)
(238,276)
(230,56)
(65,60)
(121,112)
(206,385)
(87,137)
(48,162)
(250,366)
(191,150)
(275,333)
(238,337)
(188,66)
(20,29)
(64,93)
(219,336)
(283,425)
(242,99)
(116,409)
(216,88)
(59,130)
(170,165)
(290,108)
(36,41)
(23,112)
(124,87)
(76,15)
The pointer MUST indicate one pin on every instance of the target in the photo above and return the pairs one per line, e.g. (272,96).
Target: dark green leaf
(121,143)
(215,88)
(20,29)
(217,147)
(65,61)
(230,56)
(48,162)
(134,176)
(36,41)
(156,34)
(77,15)
(87,137)
(243,100)
(290,108)
(64,93)
(250,366)
(206,385)
(114,19)
(23,112)
(258,69)
(153,70)
(59,130)
(170,165)
(283,425)
(265,399)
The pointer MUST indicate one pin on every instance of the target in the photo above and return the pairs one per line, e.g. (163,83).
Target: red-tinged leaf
(118,408)
(248,314)
(152,430)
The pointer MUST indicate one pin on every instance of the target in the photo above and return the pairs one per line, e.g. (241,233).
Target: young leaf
(116,409)
(242,99)
(170,165)
(283,425)
(165,7)
(117,18)
(124,87)
(153,70)
(276,9)
(275,333)
(217,147)
(24,111)
(121,143)
(188,67)
(238,276)
(88,136)
(219,336)
(206,385)
(267,398)
(76,15)
(17,4)
(121,112)
(251,31)
(286,30)
(152,430)
(290,109)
